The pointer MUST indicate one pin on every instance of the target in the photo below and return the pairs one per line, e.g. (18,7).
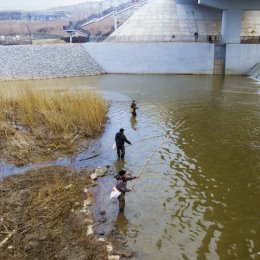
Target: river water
(198,196)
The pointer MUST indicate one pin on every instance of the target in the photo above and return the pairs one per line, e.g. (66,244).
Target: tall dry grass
(28,115)
(67,112)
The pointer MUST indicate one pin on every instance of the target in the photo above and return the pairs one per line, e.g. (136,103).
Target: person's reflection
(133,122)
(120,165)
(121,223)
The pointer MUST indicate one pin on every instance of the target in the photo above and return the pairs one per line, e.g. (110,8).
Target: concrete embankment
(46,61)
(255,72)
(240,58)
(153,58)
(69,60)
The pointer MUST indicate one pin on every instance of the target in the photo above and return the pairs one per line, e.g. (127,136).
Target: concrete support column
(231,26)
(70,38)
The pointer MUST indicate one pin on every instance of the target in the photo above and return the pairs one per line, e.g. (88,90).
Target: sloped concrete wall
(182,18)
(153,58)
(240,58)
(168,17)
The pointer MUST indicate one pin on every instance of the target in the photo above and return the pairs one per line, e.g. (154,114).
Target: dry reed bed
(41,216)
(38,122)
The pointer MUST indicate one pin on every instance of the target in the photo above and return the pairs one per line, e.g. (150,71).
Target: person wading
(121,185)
(120,143)
(133,108)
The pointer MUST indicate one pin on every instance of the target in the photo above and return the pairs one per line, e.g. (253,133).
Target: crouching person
(121,185)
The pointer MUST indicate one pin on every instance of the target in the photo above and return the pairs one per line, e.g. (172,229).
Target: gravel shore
(46,61)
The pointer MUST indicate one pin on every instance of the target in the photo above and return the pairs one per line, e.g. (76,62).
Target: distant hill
(45,24)
(82,10)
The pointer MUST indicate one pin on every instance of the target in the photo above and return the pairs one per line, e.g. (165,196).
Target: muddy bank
(33,149)
(44,215)
(47,214)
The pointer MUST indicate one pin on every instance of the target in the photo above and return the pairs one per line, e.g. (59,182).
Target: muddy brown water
(198,198)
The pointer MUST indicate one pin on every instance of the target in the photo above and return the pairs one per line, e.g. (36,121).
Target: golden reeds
(28,115)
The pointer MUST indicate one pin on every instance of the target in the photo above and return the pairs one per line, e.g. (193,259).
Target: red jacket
(122,183)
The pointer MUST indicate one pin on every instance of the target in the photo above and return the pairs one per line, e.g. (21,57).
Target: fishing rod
(145,139)
(97,153)
(139,92)
(149,138)
(153,153)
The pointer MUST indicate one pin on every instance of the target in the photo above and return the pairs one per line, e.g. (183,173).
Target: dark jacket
(121,183)
(121,139)
(133,106)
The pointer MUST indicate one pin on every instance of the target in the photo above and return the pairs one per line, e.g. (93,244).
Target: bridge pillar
(231,26)
(70,38)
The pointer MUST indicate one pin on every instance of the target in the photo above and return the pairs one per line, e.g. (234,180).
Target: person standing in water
(120,140)
(121,185)
(133,108)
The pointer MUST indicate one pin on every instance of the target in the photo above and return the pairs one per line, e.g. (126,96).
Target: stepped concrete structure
(178,20)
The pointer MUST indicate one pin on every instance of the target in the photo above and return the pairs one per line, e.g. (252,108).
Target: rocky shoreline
(23,62)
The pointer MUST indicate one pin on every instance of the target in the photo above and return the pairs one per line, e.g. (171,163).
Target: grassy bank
(39,122)
(42,218)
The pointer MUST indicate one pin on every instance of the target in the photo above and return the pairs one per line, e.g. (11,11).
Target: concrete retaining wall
(153,58)
(240,58)
(47,61)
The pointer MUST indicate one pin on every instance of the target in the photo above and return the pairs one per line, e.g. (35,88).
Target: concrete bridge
(232,14)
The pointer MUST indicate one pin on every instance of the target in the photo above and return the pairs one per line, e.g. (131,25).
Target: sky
(30,5)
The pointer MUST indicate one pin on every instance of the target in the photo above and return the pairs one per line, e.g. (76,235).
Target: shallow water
(198,197)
